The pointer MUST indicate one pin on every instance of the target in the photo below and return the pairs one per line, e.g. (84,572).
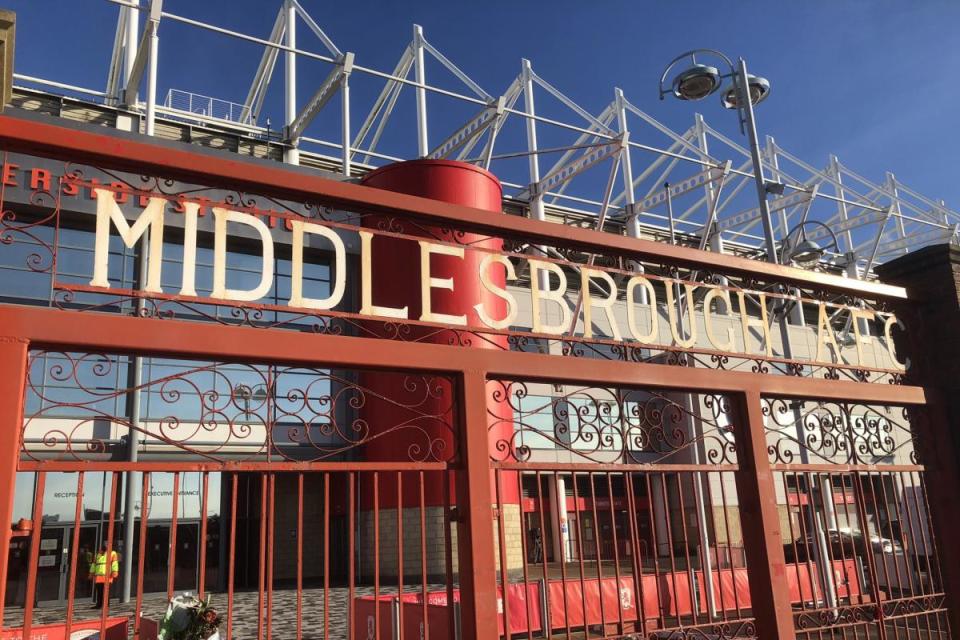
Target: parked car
(893,567)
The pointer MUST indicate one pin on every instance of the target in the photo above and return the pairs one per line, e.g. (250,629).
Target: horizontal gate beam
(78,330)
(27,135)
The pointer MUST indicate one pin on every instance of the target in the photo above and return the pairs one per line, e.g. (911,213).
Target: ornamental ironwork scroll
(534,422)
(78,407)
(839,433)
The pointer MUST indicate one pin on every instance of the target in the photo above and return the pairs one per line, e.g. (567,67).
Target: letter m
(152,216)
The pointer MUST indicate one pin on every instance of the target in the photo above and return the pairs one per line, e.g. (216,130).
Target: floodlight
(696,83)
(806,254)
(759,90)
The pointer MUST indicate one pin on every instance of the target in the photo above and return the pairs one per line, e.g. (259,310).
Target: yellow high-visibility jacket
(98,568)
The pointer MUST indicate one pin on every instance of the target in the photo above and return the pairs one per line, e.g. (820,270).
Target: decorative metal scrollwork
(609,425)
(838,432)
(229,412)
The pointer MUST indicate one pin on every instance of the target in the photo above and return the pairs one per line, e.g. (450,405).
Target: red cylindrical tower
(396,283)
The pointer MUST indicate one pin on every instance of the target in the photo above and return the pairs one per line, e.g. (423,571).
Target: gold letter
(632,284)
(557,295)
(606,304)
(493,288)
(367,307)
(722,294)
(676,323)
(188,282)
(762,323)
(296,266)
(887,326)
(825,334)
(428,282)
(107,211)
(856,315)
(221,217)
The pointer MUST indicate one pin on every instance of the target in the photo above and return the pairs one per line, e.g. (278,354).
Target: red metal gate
(335,473)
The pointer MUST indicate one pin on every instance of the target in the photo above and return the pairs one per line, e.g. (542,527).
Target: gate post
(931,313)
(13,364)
(475,544)
(763,545)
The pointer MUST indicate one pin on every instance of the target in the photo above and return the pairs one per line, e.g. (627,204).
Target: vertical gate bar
(803,538)
(769,593)
(351,546)
(882,477)
(636,552)
(202,578)
(562,554)
(300,560)
(599,551)
(231,557)
(142,551)
(908,566)
(172,550)
(857,561)
(691,573)
(616,551)
(423,557)
(502,547)
(478,580)
(931,531)
(583,584)
(13,383)
(671,545)
(932,560)
(843,553)
(722,612)
(548,622)
(726,529)
(32,560)
(888,575)
(871,568)
(376,555)
(74,557)
(108,577)
(271,533)
(400,552)
(913,536)
(326,554)
(523,556)
(448,556)
(262,556)
(656,549)
(937,447)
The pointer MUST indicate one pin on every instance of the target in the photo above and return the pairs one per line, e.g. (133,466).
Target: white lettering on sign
(548,288)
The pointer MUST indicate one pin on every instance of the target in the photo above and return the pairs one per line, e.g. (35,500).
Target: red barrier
(116,629)
(574,604)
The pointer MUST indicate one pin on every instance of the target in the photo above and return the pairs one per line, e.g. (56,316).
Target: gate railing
(669,444)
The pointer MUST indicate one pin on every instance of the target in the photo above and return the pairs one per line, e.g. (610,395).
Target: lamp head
(697,82)
(806,254)
(759,89)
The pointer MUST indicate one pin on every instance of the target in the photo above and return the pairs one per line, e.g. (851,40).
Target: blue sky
(871,81)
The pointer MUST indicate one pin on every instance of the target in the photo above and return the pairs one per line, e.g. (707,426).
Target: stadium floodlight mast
(699,81)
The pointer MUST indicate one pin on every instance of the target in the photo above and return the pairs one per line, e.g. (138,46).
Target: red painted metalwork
(623,428)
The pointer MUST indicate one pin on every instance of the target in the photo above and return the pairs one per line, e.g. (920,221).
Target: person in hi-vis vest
(102,575)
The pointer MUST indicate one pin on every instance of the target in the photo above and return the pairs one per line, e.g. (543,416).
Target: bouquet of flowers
(189,618)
